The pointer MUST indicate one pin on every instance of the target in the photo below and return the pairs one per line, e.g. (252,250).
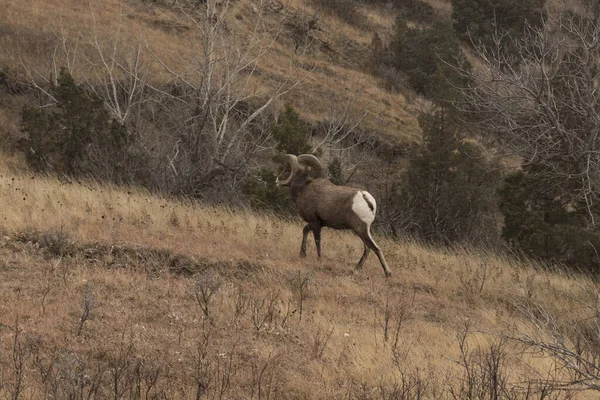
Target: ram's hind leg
(364,256)
(365,235)
(373,246)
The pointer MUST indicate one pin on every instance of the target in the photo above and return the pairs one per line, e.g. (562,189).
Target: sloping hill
(109,292)
(39,37)
(115,292)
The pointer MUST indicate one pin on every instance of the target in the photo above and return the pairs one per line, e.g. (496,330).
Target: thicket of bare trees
(201,123)
(196,125)
(540,103)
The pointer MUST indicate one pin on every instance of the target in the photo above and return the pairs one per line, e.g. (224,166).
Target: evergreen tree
(264,193)
(545,222)
(428,57)
(291,133)
(72,137)
(448,185)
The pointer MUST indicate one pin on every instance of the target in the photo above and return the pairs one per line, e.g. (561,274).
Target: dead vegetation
(334,53)
(111,292)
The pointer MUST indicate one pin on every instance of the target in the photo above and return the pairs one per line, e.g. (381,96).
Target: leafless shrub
(20,354)
(46,289)
(57,243)
(473,279)
(242,304)
(285,314)
(88,303)
(396,314)
(484,374)
(263,310)
(299,284)
(219,130)
(202,364)
(73,376)
(320,338)
(207,284)
(224,371)
(265,378)
(388,313)
(411,386)
(302,28)
(120,367)
(571,342)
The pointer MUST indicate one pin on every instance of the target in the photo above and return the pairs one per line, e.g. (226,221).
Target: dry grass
(109,283)
(32,34)
(109,292)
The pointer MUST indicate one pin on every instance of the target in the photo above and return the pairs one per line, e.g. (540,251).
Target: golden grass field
(139,265)
(109,292)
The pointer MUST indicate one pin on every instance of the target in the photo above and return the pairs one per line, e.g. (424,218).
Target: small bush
(335,171)
(392,79)
(76,137)
(264,194)
(291,133)
(546,224)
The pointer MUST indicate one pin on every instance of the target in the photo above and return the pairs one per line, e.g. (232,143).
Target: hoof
(388,274)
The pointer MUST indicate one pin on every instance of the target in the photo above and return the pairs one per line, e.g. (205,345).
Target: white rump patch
(363,204)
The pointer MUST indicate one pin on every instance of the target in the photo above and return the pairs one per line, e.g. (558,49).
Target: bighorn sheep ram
(323,204)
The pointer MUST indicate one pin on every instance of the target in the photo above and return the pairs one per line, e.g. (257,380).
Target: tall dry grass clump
(113,292)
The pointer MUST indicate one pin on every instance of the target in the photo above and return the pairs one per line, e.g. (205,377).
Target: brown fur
(323,204)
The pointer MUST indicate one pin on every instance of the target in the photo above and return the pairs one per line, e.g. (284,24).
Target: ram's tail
(364,206)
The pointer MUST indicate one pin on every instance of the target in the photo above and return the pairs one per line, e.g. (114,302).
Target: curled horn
(313,162)
(293,161)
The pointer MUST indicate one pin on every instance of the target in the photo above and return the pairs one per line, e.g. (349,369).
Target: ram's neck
(297,187)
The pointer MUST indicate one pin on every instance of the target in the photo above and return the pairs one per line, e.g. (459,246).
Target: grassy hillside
(115,292)
(111,292)
(38,37)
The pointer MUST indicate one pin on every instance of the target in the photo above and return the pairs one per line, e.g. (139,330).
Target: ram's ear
(312,163)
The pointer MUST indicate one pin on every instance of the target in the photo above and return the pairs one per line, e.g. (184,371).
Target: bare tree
(62,51)
(196,120)
(542,102)
(217,114)
(570,339)
(117,71)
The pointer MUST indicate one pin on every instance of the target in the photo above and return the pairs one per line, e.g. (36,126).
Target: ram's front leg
(304,238)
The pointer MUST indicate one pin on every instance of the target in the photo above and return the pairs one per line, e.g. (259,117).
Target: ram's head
(305,165)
